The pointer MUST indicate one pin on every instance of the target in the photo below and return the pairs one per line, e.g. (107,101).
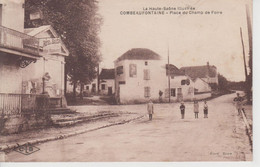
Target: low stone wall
(27,121)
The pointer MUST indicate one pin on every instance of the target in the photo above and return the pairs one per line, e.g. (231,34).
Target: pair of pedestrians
(196,109)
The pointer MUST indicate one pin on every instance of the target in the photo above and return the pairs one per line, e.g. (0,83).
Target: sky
(192,39)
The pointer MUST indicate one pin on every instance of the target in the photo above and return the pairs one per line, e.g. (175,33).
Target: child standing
(150,109)
(196,109)
(205,109)
(182,108)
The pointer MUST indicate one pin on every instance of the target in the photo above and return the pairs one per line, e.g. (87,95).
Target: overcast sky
(193,39)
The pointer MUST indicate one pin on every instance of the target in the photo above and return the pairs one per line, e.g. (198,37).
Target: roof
(139,54)
(35,31)
(174,71)
(107,74)
(200,71)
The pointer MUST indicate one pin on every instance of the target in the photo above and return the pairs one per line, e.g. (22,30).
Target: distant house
(205,79)
(201,85)
(207,73)
(140,74)
(202,89)
(92,88)
(181,85)
(107,81)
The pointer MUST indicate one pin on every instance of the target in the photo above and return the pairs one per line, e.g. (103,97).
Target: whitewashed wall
(10,78)
(13,14)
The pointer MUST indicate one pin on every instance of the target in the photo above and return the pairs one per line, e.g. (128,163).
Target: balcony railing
(13,104)
(16,40)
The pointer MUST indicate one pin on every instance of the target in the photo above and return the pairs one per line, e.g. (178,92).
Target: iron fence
(11,104)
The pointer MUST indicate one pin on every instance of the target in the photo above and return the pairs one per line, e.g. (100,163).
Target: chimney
(208,71)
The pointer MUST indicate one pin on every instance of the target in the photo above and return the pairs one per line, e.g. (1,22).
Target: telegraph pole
(244,57)
(169,80)
(249,77)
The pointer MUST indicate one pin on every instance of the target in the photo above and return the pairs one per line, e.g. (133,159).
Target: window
(119,70)
(103,86)
(147,92)
(87,87)
(121,82)
(132,70)
(188,82)
(146,63)
(173,92)
(183,82)
(146,74)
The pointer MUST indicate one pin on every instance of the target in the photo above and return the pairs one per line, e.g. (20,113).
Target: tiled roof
(174,71)
(107,74)
(200,71)
(139,54)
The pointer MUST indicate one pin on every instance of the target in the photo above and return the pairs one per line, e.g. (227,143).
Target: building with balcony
(17,51)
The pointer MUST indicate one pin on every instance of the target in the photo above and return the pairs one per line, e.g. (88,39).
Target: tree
(78,24)
(222,83)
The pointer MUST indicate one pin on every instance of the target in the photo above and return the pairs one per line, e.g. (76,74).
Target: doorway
(179,94)
(109,91)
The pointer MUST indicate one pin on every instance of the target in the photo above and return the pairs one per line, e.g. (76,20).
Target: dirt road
(221,137)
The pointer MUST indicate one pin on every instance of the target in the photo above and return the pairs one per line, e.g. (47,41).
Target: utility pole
(250,38)
(98,79)
(244,57)
(169,80)
(249,28)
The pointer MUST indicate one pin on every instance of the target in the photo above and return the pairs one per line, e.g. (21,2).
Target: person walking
(239,103)
(150,109)
(182,108)
(196,109)
(205,109)
(160,96)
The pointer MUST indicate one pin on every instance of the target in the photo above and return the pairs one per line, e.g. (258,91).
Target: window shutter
(147,91)
(146,74)
(132,70)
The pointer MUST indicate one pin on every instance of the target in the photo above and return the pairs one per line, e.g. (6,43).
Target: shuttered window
(146,74)
(173,92)
(132,70)
(147,92)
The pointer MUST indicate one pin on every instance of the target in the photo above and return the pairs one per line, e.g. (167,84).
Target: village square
(59,105)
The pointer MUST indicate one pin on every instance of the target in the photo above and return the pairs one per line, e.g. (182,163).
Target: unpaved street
(221,137)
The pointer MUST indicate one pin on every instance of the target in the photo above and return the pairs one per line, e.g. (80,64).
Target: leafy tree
(78,24)
(222,82)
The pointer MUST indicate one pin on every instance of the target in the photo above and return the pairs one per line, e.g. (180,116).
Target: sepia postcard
(126,81)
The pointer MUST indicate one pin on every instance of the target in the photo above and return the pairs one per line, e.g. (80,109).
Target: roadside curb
(36,141)
(249,130)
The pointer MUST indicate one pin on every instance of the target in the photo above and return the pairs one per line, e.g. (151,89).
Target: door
(109,91)
(179,94)
(93,88)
